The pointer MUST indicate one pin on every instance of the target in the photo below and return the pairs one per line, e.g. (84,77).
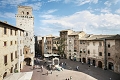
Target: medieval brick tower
(25,21)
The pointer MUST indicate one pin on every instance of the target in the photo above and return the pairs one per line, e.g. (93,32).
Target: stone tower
(25,21)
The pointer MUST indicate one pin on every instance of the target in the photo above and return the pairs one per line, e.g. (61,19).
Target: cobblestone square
(85,72)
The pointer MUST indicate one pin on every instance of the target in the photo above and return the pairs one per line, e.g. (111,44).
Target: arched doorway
(11,70)
(70,57)
(110,66)
(99,64)
(84,60)
(28,61)
(80,59)
(88,61)
(94,62)
(4,75)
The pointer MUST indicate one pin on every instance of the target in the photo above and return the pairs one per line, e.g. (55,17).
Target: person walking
(47,73)
(70,77)
(77,67)
(33,67)
(51,71)
(42,68)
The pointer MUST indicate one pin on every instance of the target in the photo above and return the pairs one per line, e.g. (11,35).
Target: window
(26,34)
(10,42)
(94,43)
(84,50)
(11,57)
(80,50)
(100,53)
(26,52)
(69,41)
(5,43)
(108,54)
(80,42)
(15,54)
(88,43)
(27,13)
(22,12)
(5,60)
(20,33)
(20,52)
(15,42)
(16,66)
(109,45)
(100,43)
(10,31)
(15,32)
(11,70)
(88,51)
(5,30)
(20,41)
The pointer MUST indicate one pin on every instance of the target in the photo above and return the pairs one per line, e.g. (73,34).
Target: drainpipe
(105,55)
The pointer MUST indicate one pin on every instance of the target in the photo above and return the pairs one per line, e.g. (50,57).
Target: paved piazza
(84,73)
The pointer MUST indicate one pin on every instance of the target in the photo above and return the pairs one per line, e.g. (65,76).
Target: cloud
(85,20)
(108,3)
(7,15)
(105,10)
(117,11)
(54,0)
(51,11)
(48,14)
(35,6)
(12,2)
(81,2)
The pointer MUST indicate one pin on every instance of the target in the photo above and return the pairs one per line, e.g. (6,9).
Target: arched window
(22,12)
(27,13)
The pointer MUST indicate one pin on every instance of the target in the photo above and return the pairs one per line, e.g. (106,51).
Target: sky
(52,16)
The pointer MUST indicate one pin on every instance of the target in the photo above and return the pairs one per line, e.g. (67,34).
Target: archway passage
(110,66)
(84,60)
(28,61)
(88,61)
(99,64)
(4,75)
(70,57)
(94,62)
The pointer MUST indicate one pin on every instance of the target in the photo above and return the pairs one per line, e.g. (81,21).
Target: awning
(48,55)
(19,76)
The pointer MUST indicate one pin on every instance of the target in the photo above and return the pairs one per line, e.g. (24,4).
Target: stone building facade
(64,36)
(73,45)
(102,51)
(11,49)
(56,44)
(49,44)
